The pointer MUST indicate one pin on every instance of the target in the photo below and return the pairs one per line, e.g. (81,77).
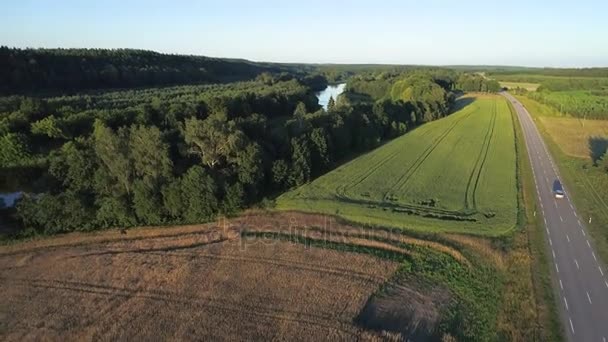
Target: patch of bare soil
(406,308)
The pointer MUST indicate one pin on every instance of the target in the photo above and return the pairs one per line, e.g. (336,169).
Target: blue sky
(513,32)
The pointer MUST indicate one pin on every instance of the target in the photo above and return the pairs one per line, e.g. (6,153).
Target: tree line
(185,154)
(33,70)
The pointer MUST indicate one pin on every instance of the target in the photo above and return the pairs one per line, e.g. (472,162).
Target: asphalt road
(580,278)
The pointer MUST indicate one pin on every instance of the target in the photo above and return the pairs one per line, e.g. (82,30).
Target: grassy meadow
(455,175)
(523,85)
(576,137)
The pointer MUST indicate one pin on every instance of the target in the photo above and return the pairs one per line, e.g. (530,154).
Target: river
(329,92)
(8,199)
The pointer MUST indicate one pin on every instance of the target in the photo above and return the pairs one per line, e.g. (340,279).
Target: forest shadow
(597,147)
(461,102)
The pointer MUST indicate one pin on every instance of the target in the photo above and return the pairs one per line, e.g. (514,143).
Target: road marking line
(550,242)
(571,326)
(567,238)
(560,218)
(541,204)
(552,251)
(544,218)
(556,268)
(589,297)
(576,262)
(571,206)
(582,230)
(566,302)
(575,214)
(594,258)
(588,244)
(606,282)
(547,229)
(561,286)
(602,272)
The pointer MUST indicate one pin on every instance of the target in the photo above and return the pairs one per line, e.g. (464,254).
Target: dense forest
(184,154)
(35,70)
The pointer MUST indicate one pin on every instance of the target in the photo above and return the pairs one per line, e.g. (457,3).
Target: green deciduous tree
(233,199)
(147,203)
(150,155)
(300,110)
(172,199)
(13,149)
(49,126)
(300,163)
(321,152)
(74,164)
(214,139)
(113,152)
(198,195)
(280,172)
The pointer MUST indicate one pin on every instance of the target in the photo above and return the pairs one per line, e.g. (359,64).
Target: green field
(523,85)
(456,174)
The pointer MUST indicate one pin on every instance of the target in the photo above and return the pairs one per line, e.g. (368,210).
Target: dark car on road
(558,190)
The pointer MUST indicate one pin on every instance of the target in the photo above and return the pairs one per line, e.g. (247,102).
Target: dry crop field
(204,282)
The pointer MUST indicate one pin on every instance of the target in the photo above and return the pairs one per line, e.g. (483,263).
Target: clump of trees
(477,83)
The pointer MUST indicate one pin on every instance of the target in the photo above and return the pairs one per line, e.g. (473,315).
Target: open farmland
(197,283)
(578,138)
(455,174)
(262,276)
(523,85)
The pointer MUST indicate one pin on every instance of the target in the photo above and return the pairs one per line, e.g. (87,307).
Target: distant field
(556,82)
(580,103)
(454,174)
(583,97)
(576,137)
(523,85)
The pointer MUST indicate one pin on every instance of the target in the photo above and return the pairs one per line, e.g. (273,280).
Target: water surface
(329,92)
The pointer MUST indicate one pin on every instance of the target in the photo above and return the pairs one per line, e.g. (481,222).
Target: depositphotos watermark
(325,232)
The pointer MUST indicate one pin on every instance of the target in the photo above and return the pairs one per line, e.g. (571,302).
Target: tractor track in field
(341,191)
(220,305)
(470,201)
(402,181)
